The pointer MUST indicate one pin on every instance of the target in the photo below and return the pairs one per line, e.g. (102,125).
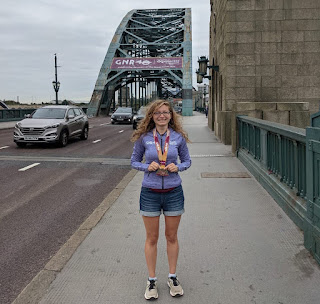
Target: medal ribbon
(162,156)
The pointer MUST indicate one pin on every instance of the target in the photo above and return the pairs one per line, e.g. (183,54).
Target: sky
(79,32)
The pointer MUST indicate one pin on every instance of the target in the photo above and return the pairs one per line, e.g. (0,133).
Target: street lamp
(203,66)
(56,83)
(199,77)
(203,62)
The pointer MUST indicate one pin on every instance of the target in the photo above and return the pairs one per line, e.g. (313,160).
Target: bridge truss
(149,57)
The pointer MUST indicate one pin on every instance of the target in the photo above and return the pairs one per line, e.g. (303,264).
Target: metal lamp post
(56,83)
(203,63)
(199,77)
(203,66)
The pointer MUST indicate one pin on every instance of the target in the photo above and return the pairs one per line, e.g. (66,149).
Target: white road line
(121,131)
(4,147)
(96,141)
(29,167)
(90,127)
(107,123)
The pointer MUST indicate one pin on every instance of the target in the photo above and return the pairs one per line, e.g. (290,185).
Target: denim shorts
(154,203)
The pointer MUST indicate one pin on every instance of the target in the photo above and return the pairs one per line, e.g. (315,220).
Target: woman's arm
(137,156)
(184,156)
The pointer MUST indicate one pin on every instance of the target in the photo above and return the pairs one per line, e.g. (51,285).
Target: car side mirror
(27,115)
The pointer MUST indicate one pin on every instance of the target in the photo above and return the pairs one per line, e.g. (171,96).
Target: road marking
(90,127)
(96,141)
(29,167)
(4,147)
(121,131)
(107,123)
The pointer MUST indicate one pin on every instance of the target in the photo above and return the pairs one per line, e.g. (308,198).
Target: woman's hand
(153,166)
(172,168)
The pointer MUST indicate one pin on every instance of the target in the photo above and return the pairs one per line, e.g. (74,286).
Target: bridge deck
(236,243)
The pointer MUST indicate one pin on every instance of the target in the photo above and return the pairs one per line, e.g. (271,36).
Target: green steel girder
(153,33)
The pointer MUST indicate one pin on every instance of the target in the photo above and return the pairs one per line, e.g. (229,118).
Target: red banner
(147,63)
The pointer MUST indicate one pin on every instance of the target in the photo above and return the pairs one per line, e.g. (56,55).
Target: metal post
(126,93)
(55,65)
(56,83)
(131,97)
(120,103)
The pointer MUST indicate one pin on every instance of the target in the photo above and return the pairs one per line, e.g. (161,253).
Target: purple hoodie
(145,146)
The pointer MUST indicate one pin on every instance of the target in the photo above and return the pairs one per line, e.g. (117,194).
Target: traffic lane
(6,139)
(43,220)
(102,137)
(6,135)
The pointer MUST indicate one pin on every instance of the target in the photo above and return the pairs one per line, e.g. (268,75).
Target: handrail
(285,130)
(281,150)
(14,114)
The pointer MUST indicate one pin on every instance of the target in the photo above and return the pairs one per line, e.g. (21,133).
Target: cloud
(80,33)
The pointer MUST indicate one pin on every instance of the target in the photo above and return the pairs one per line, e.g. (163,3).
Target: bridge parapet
(286,161)
(14,114)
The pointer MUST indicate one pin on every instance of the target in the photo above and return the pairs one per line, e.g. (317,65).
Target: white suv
(52,124)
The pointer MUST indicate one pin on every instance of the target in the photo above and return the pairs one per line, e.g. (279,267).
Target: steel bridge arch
(151,49)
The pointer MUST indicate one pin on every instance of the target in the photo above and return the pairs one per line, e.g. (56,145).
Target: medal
(162,156)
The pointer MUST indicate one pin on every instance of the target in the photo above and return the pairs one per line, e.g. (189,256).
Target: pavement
(8,124)
(236,244)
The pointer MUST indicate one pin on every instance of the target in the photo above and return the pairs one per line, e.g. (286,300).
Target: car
(138,117)
(122,114)
(178,109)
(52,124)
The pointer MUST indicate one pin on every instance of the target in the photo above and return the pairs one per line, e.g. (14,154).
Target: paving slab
(236,243)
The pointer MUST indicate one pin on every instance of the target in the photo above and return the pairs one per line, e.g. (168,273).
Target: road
(47,192)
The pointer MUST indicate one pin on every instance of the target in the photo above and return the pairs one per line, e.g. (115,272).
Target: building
(268,58)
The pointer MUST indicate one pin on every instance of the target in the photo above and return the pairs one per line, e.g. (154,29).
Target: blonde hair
(147,124)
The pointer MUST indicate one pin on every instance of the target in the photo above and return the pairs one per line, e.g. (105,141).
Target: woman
(161,139)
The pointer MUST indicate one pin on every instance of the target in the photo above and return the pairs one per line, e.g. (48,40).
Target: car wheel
(112,122)
(134,126)
(85,133)
(21,144)
(63,140)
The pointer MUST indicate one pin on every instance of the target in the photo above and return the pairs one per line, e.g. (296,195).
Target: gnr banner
(147,63)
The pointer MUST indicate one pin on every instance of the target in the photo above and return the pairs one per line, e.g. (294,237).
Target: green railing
(286,161)
(280,149)
(249,136)
(286,158)
(14,114)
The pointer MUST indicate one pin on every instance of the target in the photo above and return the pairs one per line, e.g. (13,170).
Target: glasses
(161,113)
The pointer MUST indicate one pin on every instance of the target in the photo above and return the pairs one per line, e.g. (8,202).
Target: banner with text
(147,63)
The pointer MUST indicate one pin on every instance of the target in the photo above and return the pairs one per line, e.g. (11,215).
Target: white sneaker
(175,287)
(151,290)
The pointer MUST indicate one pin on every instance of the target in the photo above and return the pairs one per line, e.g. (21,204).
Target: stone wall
(267,51)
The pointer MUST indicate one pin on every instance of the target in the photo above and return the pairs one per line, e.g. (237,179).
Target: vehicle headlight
(18,125)
(134,117)
(53,126)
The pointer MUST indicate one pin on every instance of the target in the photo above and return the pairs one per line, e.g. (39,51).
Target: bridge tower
(149,57)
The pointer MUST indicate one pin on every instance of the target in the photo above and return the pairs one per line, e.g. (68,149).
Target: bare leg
(152,234)
(172,224)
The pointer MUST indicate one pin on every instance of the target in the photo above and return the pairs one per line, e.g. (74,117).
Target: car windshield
(142,111)
(51,113)
(123,110)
